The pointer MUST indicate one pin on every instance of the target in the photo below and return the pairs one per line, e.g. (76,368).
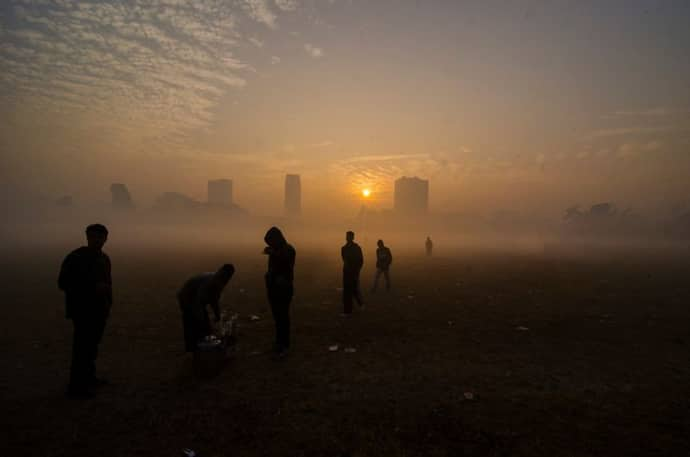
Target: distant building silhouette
(293,195)
(171,201)
(65,200)
(411,195)
(121,199)
(220,192)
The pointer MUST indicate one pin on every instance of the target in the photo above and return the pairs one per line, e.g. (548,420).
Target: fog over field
(178,180)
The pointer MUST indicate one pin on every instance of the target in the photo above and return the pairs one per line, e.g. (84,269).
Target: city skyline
(532,106)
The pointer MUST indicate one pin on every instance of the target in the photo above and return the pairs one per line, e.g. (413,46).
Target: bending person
(196,294)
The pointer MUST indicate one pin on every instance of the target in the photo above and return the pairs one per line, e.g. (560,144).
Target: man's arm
(109,279)
(66,275)
(360,257)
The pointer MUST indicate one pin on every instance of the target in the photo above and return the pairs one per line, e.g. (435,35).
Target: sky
(524,105)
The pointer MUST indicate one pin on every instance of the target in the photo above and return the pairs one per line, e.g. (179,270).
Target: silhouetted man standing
(384,258)
(279,285)
(429,246)
(86,281)
(196,294)
(352,265)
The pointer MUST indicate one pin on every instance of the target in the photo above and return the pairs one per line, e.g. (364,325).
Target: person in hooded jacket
(279,285)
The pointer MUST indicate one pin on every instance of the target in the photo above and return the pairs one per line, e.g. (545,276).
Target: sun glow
(366,193)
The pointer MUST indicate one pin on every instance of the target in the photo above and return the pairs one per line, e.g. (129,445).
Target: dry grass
(602,368)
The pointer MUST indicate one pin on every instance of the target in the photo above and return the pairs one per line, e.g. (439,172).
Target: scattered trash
(326,302)
(242,291)
(209,343)
(338,289)
(468,396)
(189,452)
(333,348)
(521,328)
(255,353)
(350,350)
(254,317)
(450,323)
(411,297)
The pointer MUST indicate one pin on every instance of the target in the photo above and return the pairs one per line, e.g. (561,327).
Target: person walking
(384,258)
(353,260)
(279,285)
(429,245)
(85,278)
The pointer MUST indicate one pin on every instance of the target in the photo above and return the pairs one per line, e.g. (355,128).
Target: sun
(366,193)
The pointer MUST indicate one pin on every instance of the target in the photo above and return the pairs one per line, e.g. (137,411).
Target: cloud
(287,5)
(275,60)
(256,42)
(645,112)
(637,149)
(323,144)
(163,64)
(313,51)
(603,133)
(260,12)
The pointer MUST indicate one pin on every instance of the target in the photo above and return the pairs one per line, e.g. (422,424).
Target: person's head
(96,236)
(350,236)
(274,238)
(224,274)
(379,243)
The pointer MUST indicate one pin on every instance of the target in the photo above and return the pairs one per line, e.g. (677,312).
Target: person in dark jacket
(196,294)
(279,285)
(429,245)
(352,265)
(85,278)
(384,258)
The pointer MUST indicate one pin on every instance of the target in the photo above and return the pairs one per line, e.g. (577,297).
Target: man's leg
(79,370)
(284,337)
(96,329)
(358,293)
(387,278)
(347,293)
(376,280)
(275,311)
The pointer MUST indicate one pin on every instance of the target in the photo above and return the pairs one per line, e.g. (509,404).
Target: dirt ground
(561,358)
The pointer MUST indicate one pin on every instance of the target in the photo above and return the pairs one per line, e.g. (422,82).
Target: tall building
(220,192)
(121,199)
(293,195)
(411,195)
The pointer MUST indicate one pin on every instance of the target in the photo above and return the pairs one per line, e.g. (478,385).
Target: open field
(563,358)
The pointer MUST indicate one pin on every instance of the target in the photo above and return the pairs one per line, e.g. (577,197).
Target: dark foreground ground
(562,358)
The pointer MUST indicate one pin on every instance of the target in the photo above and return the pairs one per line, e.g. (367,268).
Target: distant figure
(384,258)
(352,265)
(279,285)
(196,294)
(86,281)
(429,246)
